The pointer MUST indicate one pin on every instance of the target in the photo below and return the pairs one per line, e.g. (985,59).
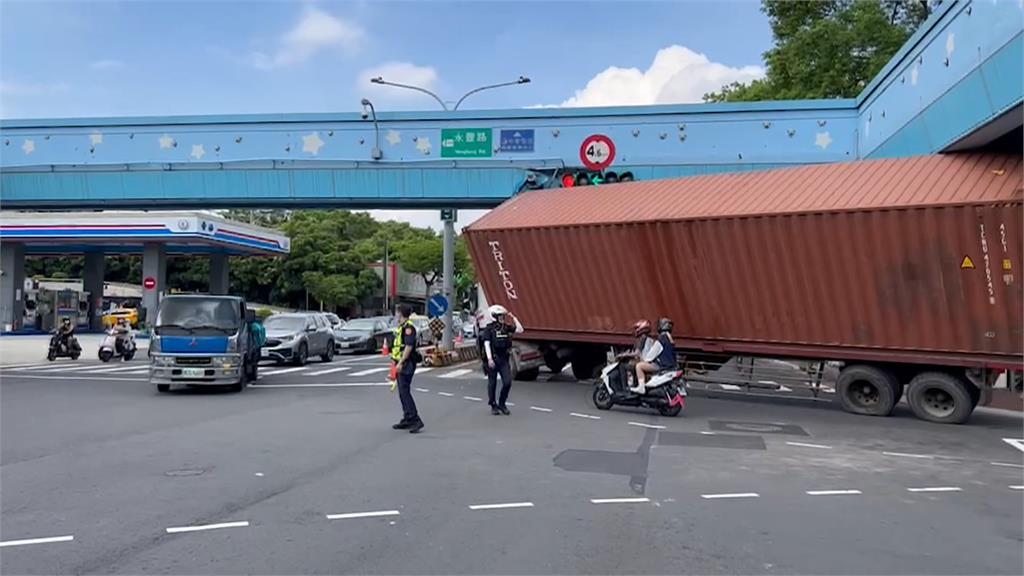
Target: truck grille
(192,360)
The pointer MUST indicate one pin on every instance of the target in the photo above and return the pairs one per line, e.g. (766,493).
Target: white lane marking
(510,403)
(539,409)
(330,371)
(31,365)
(804,445)
(587,416)
(832,492)
(473,398)
(706,433)
(423,390)
(456,373)
(936,489)
(1016,487)
(828,389)
(75,377)
(642,425)
(179,529)
(324,385)
(260,474)
(370,371)
(445,394)
(1007,464)
(283,371)
(135,372)
(37,541)
(376,514)
(118,369)
(730,387)
(1017,443)
(424,370)
(771,382)
(619,500)
(57,367)
(501,506)
(785,388)
(905,455)
(733,495)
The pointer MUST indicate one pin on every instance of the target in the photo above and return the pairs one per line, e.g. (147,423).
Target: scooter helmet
(665,325)
(497,310)
(641,327)
(66,321)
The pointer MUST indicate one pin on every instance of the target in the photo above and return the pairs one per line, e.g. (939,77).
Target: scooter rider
(659,357)
(65,333)
(498,347)
(122,329)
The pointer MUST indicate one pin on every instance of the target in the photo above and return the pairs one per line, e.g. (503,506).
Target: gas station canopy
(60,233)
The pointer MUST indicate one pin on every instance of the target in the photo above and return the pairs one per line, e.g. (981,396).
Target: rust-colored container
(907,260)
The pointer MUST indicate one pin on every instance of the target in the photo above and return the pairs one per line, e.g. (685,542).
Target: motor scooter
(63,347)
(109,349)
(665,391)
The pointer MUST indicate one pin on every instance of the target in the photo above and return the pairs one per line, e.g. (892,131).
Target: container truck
(902,274)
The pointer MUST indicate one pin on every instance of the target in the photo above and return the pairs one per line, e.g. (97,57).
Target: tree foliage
(828,48)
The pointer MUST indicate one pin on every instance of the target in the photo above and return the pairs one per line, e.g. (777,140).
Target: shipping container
(909,264)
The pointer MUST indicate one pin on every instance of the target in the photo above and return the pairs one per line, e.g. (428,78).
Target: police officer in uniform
(498,347)
(404,355)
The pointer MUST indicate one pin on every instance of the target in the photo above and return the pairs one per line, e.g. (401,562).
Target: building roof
(904,182)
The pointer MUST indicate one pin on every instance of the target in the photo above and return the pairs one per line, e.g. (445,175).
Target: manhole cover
(754,427)
(185,472)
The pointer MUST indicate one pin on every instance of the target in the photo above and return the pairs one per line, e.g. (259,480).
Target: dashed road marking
(832,492)
(1007,464)
(371,371)
(706,433)
(118,369)
(587,416)
(501,506)
(619,500)
(936,489)
(905,455)
(473,398)
(805,445)
(1016,487)
(456,373)
(729,387)
(330,371)
(376,514)
(449,395)
(322,385)
(539,409)
(642,425)
(283,371)
(27,541)
(423,390)
(179,529)
(424,370)
(732,495)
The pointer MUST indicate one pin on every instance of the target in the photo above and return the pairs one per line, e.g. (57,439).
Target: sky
(110,58)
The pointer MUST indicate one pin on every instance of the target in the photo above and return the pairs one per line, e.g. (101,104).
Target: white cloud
(106,64)
(315,31)
(677,75)
(427,218)
(29,89)
(401,72)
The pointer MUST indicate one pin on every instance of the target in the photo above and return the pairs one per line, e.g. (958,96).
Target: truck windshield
(197,316)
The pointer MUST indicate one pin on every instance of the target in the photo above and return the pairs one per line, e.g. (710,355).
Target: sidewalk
(22,349)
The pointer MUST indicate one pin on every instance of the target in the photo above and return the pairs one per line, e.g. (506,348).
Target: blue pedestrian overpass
(957,83)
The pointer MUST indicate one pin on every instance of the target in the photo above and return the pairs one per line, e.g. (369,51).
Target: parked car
(364,334)
(295,337)
(424,335)
(336,325)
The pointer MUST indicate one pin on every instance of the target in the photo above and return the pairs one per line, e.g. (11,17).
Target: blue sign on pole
(437,305)
(516,141)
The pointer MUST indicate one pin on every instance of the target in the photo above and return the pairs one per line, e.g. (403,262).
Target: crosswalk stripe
(284,371)
(729,387)
(117,369)
(331,371)
(370,371)
(456,373)
(423,370)
(55,367)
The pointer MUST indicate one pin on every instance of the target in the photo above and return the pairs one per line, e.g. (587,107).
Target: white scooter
(109,349)
(665,391)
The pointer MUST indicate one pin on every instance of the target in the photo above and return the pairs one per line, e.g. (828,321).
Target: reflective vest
(397,346)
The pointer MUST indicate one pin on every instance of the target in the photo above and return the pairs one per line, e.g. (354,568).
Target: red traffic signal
(575,178)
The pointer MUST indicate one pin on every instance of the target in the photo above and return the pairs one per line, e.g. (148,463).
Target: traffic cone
(385,350)
(458,339)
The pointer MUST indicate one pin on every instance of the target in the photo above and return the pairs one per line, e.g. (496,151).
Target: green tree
(827,48)
(424,257)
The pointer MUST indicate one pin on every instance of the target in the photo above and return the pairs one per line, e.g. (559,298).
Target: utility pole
(387,305)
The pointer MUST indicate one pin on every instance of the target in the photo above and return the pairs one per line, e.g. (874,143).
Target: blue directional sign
(437,305)
(516,141)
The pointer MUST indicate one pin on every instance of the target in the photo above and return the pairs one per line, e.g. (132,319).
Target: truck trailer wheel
(867,390)
(940,397)
(528,375)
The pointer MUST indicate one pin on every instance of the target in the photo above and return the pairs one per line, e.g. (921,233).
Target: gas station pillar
(92,282)
(219,278)
(12,285)
(154,276)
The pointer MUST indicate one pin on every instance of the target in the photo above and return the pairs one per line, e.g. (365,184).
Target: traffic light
(574,178)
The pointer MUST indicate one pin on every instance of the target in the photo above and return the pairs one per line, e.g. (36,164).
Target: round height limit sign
(597,152)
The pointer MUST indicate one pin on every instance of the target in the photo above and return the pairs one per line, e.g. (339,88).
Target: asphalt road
(302,473)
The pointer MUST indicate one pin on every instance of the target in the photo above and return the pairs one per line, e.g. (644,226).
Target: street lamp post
(448,260)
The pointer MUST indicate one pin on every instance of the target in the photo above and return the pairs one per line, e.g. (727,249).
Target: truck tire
(583,369)
(867,390)
(940,397)
(528,375)
(553,362)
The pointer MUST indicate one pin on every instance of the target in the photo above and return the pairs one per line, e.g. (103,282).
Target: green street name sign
(466,143)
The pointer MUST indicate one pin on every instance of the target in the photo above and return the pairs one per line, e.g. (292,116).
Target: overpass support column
(219,278)
(154,265)
(12,285)
(92,282)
